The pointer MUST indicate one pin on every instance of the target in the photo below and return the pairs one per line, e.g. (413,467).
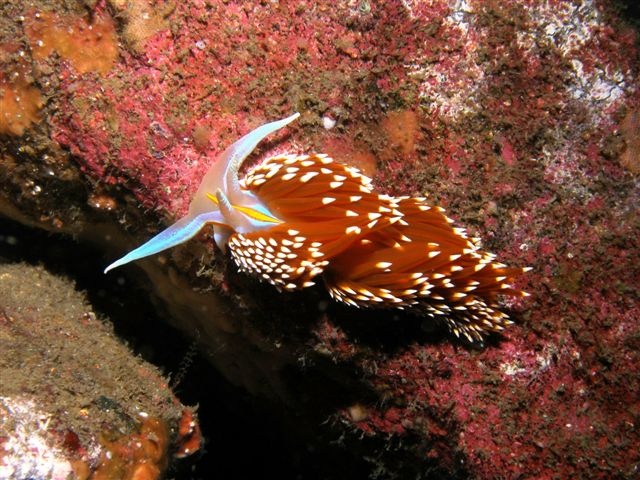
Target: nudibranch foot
(293,218)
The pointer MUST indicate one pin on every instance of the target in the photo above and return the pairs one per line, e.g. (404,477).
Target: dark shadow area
(294,315)
(391,330)
(631,9)
(244,436)
(387,330)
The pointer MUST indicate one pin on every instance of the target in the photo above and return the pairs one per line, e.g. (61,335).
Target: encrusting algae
(20,100)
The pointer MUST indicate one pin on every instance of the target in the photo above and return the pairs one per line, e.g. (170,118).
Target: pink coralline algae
(516,116)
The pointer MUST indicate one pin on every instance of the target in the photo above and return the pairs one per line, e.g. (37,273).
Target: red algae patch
(201,136)
(630,128)
(143,19)
(90,46)
(401,128)
(357,156)
(20,102)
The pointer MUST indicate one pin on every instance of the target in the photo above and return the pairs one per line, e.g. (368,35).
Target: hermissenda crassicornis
(296,217)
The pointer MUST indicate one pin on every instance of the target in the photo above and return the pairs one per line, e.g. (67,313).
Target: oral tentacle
(181,231)
(223,174)
(242,148)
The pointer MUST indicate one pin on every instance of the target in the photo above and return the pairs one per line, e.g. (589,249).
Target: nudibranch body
(295,218)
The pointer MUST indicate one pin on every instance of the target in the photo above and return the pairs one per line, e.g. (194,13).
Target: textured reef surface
(519,117)
(75,402)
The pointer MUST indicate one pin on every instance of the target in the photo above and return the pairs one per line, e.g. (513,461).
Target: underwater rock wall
(520,118)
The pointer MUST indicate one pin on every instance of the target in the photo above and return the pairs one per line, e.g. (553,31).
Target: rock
(509,114)
(75,402)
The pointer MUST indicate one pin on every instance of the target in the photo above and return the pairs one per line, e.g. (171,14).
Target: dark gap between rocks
(243,435)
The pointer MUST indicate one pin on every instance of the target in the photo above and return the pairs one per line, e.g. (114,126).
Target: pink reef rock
(519,117)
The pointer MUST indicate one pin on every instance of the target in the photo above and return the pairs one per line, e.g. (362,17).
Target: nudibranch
(296,218)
